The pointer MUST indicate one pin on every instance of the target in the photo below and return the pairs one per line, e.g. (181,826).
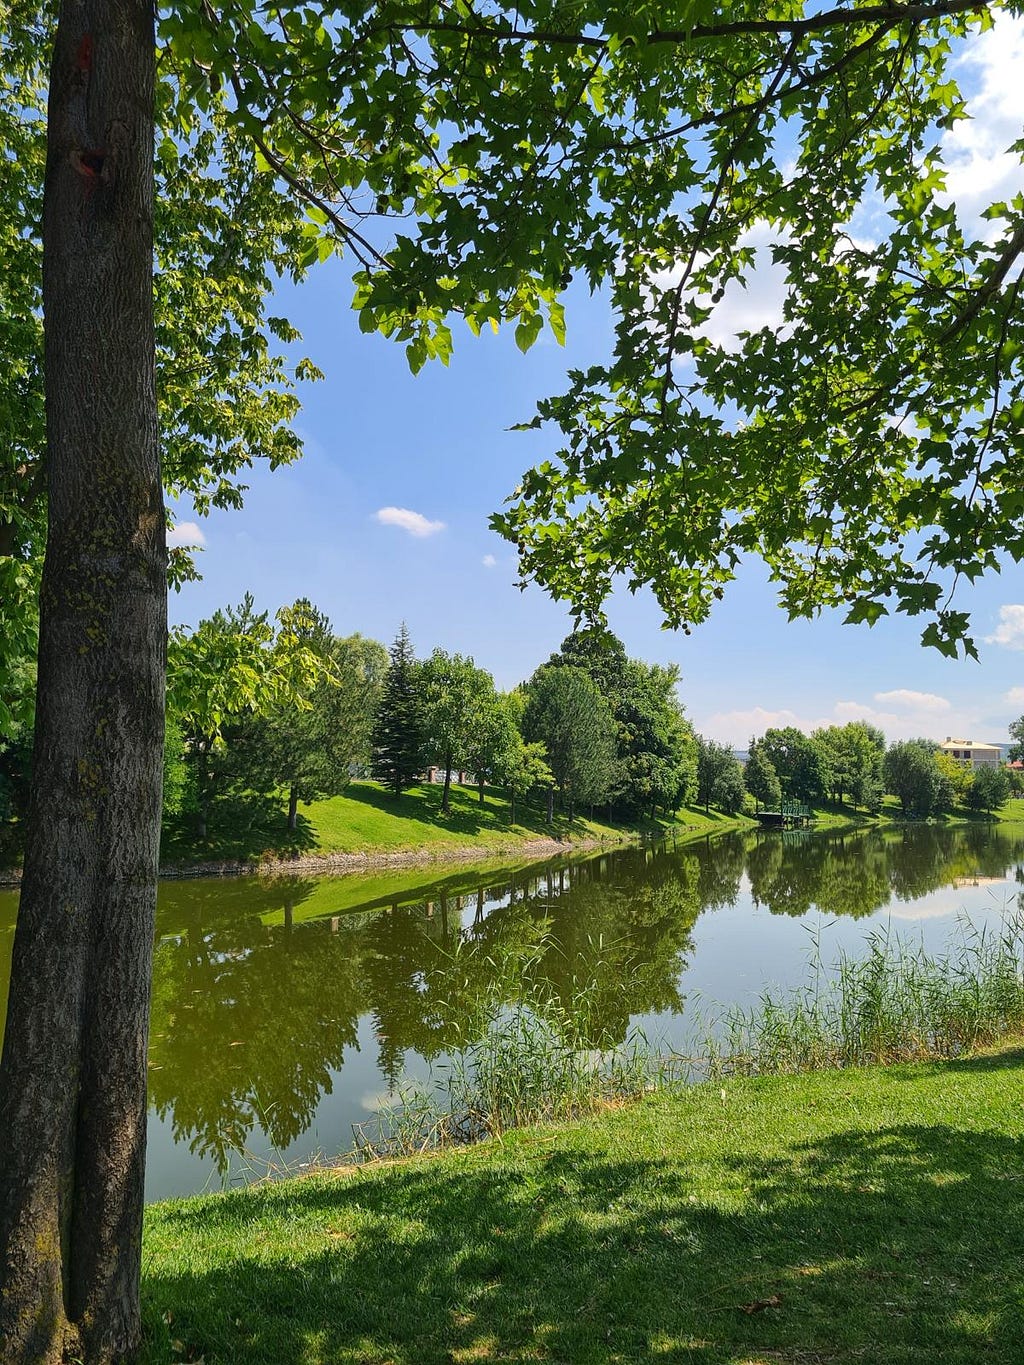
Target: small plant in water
(535,1060)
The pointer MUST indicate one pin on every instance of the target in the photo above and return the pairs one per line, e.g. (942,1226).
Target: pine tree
(398,729)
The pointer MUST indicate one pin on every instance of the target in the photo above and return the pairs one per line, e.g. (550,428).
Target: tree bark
(446,804)
(73,1072)
(293,807)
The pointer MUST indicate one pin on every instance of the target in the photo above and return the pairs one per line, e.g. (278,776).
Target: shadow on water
(897,1244)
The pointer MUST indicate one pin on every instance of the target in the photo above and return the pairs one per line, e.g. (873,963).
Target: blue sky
(438,446)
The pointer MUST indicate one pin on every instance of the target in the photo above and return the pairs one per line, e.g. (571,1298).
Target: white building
(971,751)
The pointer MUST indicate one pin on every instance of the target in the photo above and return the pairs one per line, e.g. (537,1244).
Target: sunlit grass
(367,820)
(866,1215)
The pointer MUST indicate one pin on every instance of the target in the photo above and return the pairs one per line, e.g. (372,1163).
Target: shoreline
(366,860)
(340,863)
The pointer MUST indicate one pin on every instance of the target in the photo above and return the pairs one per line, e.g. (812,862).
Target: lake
(287,1009)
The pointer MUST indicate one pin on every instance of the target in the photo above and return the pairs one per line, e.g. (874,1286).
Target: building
(973,752)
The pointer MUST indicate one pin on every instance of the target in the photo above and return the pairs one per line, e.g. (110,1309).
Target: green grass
(368,820)
(872,1215)
(845,815)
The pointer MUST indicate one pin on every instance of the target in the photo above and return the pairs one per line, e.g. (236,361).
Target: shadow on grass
(242,828)
(900,1245)
(467,815)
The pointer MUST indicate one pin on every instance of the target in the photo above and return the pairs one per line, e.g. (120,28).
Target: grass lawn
(367,819)
(871,1215)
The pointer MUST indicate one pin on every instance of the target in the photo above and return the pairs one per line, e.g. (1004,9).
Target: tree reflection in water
(260,984)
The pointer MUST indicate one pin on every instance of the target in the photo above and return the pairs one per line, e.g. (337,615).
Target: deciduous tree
(456,697)
(874,462)
(989,789)
(761,779)
(912,776)
(566,712)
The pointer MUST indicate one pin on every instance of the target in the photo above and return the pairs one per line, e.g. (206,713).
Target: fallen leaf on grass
(759,1305)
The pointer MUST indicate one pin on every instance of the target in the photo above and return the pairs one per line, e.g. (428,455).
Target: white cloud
(1015,696)
(907,700)
(414,522)
(760,302)
(980,168)
(185,533)
(488,561)
(1010,631)
(736,727)
(909,715)
(748,306)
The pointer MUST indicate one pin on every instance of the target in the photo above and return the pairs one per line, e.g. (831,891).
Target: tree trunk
(551,806)
(446,804)
(203,785)
(293,807)
(480,787)
(73,1072)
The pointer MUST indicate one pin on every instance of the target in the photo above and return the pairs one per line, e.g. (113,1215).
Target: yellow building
(972,751)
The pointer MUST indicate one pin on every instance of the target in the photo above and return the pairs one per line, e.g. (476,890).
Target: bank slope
(369,824)
(867,1215)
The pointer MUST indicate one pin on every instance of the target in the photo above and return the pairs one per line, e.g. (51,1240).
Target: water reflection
(863,871)
(271,995)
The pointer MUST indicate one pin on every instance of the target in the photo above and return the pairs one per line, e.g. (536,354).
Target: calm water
(285,1010)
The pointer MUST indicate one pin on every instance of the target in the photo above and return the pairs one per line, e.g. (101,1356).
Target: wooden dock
(791,815)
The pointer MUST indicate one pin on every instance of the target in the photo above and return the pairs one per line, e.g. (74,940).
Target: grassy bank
(368,820)
(871,1215)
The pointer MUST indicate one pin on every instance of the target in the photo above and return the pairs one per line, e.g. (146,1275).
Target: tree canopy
(469,160)
(863,446)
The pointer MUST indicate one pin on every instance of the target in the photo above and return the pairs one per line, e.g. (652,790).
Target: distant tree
(176,768)
(397,736)
(309,743)
(566,711)
(719,777)
(800,765)
(657,749)
(761,779)
(231,667)
(494,737)
(989,789)
(456,701)
(600,654)
(851,761)
(955,780)
(729,792)
(655,745)
(912,777)
(525,768)
(1016,730)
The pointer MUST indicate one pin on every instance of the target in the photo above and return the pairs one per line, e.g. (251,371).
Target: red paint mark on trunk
(83,61)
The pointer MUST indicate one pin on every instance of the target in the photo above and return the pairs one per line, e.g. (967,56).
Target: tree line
(285,709)
(259,706)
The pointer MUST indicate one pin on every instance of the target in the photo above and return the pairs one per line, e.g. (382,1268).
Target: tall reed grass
(893,1002)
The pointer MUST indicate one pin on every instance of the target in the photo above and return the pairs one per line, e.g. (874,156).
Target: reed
(895,1002)
(545,1058)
